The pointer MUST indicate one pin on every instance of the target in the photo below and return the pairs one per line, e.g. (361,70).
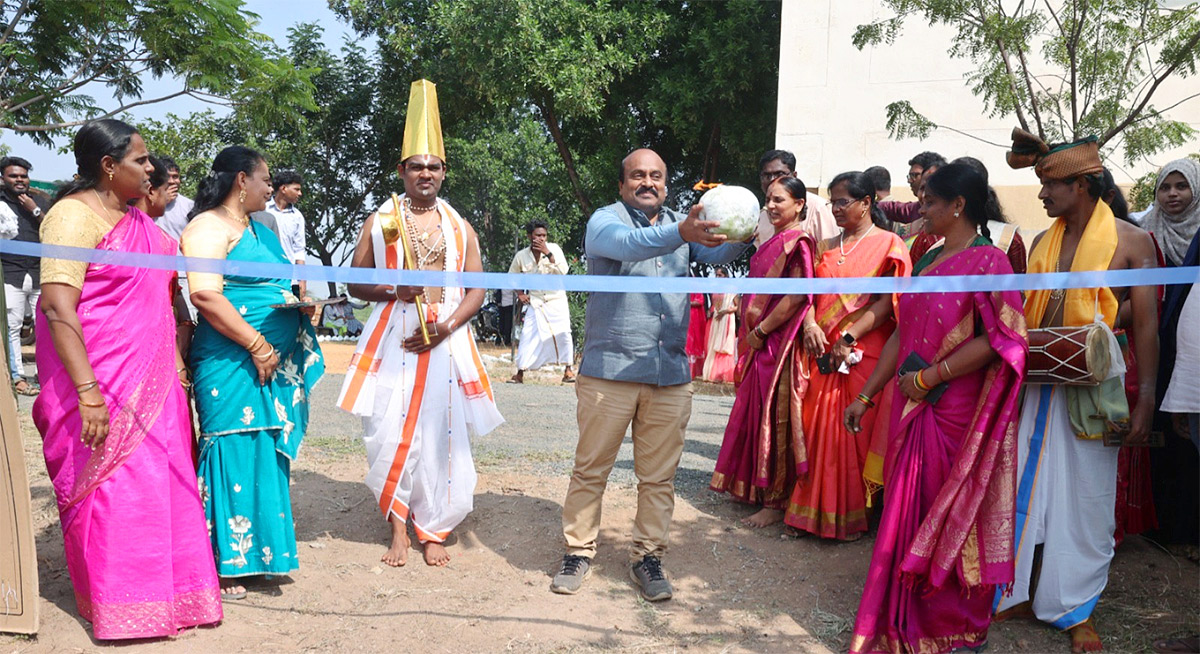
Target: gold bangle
(94,406)
(255,342)
(86,386)
(264,357)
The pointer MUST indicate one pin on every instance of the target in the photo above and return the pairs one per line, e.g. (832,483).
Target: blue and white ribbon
(615,284)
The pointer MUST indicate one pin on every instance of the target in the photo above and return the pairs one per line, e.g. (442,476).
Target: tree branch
(1158,79)
(12,25)
(76,123)
(1073,53)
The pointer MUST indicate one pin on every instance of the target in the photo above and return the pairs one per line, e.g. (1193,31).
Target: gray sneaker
(570,577)
(648,574)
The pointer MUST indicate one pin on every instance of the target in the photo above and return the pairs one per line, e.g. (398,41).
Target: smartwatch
(848,338)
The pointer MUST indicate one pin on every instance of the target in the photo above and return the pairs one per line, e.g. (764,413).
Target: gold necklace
(243,219)
(1057,293)
(842,243)
(107,211)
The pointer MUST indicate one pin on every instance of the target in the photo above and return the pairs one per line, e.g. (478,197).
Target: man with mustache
(635,370)
(21,216)
(1066,477)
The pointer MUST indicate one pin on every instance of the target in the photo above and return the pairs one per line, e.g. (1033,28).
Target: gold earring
(110,177)
(242,197)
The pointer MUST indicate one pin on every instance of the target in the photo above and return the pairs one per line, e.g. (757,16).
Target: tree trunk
(712,154)
(551,121)
(326,259)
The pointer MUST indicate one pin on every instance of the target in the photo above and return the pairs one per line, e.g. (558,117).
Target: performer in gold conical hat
(420,400)
(423,127)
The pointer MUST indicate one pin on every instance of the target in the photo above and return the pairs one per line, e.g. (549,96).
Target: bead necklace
(413,207)
(423,251)
(842,243)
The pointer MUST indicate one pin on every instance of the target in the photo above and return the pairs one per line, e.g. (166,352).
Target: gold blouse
(210,236)
(72,223)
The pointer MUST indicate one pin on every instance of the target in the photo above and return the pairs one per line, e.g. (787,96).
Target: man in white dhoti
(421,400)
(1067,477)
(546,326)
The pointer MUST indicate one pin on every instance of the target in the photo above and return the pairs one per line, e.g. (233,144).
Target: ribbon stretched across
(616,284)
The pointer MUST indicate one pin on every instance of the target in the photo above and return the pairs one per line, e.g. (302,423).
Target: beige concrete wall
(832,99)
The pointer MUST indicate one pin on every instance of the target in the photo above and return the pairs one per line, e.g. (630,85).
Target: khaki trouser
(605,409)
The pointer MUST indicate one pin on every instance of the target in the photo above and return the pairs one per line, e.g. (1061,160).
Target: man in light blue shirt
(635,370)
(283,218)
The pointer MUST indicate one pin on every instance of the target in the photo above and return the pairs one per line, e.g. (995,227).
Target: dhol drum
(1071,356)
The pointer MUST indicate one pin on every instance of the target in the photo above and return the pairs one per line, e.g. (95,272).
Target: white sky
(276,16)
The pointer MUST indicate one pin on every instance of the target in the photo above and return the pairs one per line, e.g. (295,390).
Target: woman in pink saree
(113,412)
(763,449)
(946,533)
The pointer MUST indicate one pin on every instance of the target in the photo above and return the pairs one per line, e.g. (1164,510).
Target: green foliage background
(540,100)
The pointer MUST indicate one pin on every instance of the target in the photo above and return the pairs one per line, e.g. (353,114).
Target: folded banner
(617,284)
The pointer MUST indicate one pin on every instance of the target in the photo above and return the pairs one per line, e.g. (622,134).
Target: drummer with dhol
(1066,476)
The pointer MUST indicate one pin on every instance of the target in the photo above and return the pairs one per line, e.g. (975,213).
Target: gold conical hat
(423,127)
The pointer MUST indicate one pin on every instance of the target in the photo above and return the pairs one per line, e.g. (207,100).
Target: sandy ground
(737,590)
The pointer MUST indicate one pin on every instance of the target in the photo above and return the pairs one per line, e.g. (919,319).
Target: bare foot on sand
(1022,610)
(397,555)
(763,518)
(435,554)
(1084,638)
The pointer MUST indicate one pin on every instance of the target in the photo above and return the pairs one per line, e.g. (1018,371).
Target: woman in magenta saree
(113,412)
(763,449)
(946,532)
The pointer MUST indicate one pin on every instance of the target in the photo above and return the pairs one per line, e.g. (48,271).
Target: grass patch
(334,447)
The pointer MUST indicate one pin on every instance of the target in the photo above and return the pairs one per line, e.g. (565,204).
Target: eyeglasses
(770,176)
(842,203)
(414,167)
(912,177)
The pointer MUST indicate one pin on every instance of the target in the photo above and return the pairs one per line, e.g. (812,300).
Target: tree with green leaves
(192,141)
(55,53)
(1106,61)
(333,144)
(600,78)
(559,57)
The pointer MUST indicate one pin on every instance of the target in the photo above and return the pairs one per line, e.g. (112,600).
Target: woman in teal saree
(253,367)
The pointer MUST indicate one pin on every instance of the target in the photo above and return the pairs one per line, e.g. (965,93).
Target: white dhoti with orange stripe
(420,411)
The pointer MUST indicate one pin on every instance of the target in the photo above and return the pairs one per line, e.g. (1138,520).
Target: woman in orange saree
(763,448)
(842,340)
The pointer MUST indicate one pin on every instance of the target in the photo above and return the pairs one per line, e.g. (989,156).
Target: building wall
(832,100)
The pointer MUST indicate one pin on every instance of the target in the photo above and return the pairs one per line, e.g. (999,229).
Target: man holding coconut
(635,370)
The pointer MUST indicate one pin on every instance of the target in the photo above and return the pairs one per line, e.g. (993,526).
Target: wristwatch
(37,212)
(848,338)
